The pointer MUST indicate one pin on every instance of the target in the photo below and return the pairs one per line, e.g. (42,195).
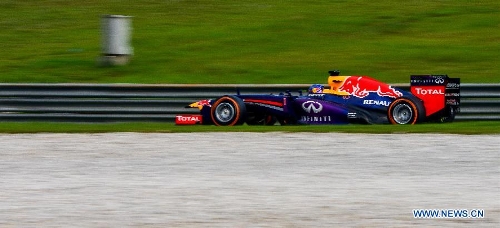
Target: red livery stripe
(274,103)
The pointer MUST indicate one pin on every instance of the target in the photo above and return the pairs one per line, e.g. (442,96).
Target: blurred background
(252,41)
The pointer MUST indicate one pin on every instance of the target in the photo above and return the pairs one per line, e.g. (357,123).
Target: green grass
(252,41)
(479,127)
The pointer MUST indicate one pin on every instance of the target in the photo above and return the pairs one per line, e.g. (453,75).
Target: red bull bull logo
(200,104)
(363,86)
(204,103)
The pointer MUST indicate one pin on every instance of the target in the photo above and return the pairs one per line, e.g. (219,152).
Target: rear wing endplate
(436,91)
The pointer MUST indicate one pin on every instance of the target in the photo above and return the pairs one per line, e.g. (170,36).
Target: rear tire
(405,110)
(228,111)
(448,115)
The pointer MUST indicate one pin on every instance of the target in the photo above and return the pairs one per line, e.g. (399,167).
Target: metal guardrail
(148,102)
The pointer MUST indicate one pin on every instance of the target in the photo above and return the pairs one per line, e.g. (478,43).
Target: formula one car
(346,99)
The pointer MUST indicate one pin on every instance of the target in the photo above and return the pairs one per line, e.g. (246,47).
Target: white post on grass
(116,48)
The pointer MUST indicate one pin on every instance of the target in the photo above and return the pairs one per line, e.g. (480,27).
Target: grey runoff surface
(246,179)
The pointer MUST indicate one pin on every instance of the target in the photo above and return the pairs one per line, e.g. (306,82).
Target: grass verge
(252,41)
(472,128)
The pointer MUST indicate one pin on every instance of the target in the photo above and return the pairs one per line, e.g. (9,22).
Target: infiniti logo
(312,107)
(439,80)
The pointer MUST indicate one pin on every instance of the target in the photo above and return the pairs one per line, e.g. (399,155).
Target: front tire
(228,111)
(405,110)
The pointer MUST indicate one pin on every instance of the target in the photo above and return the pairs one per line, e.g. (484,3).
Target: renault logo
(312,106)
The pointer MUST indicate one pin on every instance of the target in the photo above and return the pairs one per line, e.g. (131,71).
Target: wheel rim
(224,112)
(402,114)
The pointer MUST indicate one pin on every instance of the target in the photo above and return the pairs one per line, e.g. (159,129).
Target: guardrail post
(116,49)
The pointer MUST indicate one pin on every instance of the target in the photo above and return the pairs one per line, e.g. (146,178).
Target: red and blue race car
(346,99)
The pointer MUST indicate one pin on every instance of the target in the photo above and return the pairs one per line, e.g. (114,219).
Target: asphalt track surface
(246,179)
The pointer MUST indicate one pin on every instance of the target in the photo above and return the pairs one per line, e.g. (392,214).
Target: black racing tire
(448,115)
(228,111)
(261,120)
(286,121)
(406,110)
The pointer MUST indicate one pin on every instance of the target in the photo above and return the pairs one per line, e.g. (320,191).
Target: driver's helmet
(316,88)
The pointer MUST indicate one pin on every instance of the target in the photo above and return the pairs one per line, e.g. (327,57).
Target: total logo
(429,91)
(188,118)
(312,107)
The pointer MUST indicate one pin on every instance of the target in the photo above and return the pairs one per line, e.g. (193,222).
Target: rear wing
(437,92)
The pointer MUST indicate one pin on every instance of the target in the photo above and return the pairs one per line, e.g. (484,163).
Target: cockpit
(334,82)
